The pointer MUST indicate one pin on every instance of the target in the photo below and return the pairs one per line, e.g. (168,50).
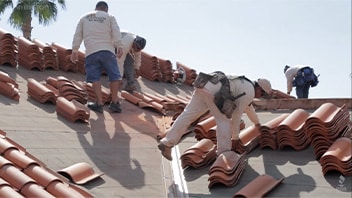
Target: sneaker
(115,107)
(96,107)
(165,151)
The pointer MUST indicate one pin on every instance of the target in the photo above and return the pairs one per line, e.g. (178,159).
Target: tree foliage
(21,16)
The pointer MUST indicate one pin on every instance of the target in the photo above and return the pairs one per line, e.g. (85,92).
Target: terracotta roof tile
(258,187)
(72,110)
(22,175)
(80,173)
(200,155)
(227,169)
(338,157)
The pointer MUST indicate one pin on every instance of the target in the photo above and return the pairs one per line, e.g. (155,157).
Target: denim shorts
(101,61)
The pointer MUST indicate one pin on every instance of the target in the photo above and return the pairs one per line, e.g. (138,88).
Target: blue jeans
(128,67)
(303,91)
(97,62)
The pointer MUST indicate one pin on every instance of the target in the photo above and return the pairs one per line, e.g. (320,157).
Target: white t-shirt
(99,31)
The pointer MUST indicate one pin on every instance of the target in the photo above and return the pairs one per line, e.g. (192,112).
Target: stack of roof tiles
(7,48)
(338,157)
(106,94)
(29,55)
(227,169)
(64,54)
(203,129)
(8,86)
(200,155)
(150,68)
(249,140)
(168,102)
(166,70)
(71,90)
(41,91)
(191,74)
(157,102)
(72,110)
(68,96)
(269,131)
(49,58)
(291,131)
(325,125)
(206,128)
(22,175)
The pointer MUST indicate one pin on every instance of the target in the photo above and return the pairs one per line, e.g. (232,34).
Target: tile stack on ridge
(191,74)
(63,55)
(72,110)
(8,49)
(200,155)
(49,57)
(291,131)
(166,70)
(325,125)
(41,92)
(150,68)
(277,94)
(9,87)
(22,175)
(269,132)
(29,55)
(338,157)
(227,169)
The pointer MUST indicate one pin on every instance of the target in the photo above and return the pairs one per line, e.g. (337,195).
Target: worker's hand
(119,52)
(257,125)
(74,57)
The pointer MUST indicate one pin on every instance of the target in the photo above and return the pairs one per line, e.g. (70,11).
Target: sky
(255,38)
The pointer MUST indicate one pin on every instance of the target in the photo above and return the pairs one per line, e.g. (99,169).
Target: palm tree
(21,16)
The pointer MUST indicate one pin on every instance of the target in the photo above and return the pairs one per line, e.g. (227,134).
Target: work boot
(95,107)
(115,107)
(165,151)
(130,88)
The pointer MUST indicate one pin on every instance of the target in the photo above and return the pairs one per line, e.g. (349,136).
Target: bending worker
(131,58)
(227,98)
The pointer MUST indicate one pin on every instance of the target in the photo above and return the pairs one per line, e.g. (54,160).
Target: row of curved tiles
(36,54)
(23,175)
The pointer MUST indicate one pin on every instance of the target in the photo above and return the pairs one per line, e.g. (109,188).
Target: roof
(116,155)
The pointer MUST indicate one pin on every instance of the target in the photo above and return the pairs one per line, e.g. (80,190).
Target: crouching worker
(227,97)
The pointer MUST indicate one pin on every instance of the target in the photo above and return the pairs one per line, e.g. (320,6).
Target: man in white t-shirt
(101,36)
